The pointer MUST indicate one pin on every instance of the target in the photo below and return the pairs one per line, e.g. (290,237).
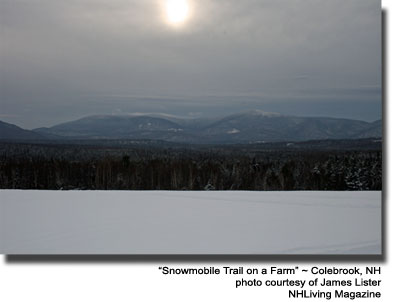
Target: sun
(177,11)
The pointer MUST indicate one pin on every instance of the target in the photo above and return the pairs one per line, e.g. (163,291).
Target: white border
(142,281)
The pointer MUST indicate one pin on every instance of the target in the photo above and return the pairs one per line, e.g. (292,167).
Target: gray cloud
(65,59)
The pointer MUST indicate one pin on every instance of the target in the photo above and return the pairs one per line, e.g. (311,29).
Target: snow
(188,222)
(264,114)
(233,131)
(175,130)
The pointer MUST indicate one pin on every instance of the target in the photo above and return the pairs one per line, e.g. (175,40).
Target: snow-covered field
(186,222)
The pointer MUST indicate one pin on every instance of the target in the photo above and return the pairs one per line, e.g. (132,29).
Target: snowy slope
(186,222)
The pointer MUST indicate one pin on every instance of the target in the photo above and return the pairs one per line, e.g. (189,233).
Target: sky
(62,60)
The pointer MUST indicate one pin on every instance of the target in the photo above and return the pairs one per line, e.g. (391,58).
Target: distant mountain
(121,127)
(245,127)
(258,126)
(373,130)
(12,132)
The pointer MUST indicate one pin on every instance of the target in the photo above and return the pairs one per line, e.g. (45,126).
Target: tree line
(90,168)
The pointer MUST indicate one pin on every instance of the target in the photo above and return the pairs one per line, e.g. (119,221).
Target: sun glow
(177,11)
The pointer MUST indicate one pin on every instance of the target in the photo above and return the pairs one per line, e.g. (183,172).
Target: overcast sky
(61,60)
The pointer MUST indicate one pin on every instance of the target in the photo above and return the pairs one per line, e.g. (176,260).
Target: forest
(147,166)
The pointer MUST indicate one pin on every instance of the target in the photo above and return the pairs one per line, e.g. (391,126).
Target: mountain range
(245,127)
